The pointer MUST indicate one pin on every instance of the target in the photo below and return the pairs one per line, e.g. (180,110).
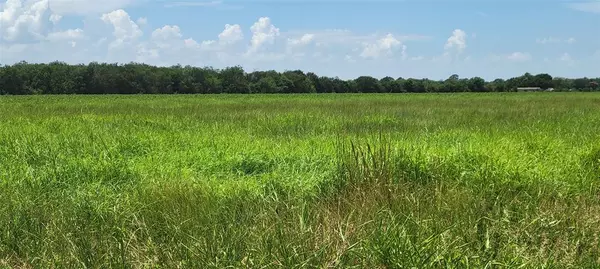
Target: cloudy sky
(409,38)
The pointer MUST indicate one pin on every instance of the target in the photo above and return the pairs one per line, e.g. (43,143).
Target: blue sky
(434,39)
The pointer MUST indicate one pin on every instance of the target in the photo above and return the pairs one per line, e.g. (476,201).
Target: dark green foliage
(133,78)
(368,84)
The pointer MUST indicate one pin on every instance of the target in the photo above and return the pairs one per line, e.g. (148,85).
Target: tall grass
(300,181)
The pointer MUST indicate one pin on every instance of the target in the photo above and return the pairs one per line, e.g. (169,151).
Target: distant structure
(529,89)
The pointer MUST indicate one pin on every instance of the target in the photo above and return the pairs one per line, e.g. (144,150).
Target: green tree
(477,84)
(233,80)
(368,84)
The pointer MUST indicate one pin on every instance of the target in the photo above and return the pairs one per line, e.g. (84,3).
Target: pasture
(331,180)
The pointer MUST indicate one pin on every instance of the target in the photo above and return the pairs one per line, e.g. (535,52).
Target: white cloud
(343,37)
(404,54)
(547,40)
(519,57)
(231,35)
(349,59)
(515,57)
(24,21)
(566,57)
(55,18)
(167,36)
(207,44)
(263,33)
(125,30)
(302,41)
(142,21)
(457,42)
(86,7)
(191,43)
(296,47)
(71,34)
(381,47)
(167,32)
(147,54)
(554,40)
(592,7)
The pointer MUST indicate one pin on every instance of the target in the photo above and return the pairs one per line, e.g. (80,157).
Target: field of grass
(368,181)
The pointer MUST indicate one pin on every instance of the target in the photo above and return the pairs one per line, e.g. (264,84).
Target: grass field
(370,181)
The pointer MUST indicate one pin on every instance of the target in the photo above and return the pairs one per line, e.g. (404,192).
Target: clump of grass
(441,223)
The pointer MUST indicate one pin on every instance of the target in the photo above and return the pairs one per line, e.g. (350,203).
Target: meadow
(285,181)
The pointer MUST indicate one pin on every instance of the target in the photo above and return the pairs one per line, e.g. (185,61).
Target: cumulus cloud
(142,21)
(519,57)
(167,36)
(457,42)
(263,33)
(24,21)
(382,47)
(302,41)
(71,34)
(55,18)
(231,35)
(167,32)
(125,30)
(190,43)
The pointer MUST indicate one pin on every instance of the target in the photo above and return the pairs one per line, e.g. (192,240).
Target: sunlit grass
(462,180)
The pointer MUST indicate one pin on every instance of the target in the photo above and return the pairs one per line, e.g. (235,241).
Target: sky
(406,38)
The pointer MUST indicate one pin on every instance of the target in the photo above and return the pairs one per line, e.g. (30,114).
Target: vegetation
(211,181)
(94,78)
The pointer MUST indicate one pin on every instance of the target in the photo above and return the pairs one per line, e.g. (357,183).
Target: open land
(331,180)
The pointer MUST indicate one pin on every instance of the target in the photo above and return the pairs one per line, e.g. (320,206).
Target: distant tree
(387,84)
(477,84)
(300,83)
(134,78)
(317,82)
(368,84)
(12,81)
(543,81)
(233,80)
(264,85)
(562,83)
(581,83)
(396,86)
(498,85)
(454,84)
(409,85)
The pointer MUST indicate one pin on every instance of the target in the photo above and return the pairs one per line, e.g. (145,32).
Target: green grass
(368,181)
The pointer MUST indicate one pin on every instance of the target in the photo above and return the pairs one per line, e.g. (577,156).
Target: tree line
(134,78)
